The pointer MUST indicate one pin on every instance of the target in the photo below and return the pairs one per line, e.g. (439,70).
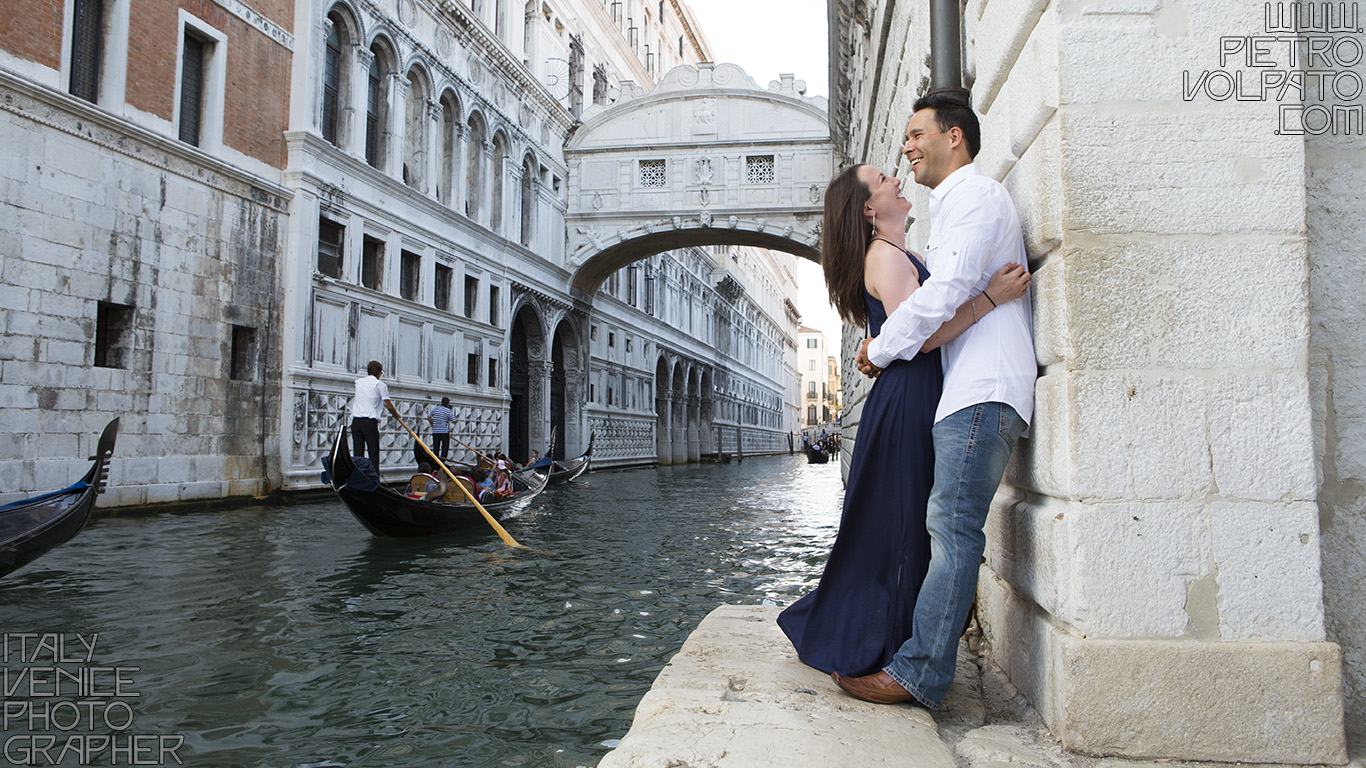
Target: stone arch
(663,411)
(526,351)
(343,30)
(694,419)
(475,141)
(568,366)
(383,58)
(498,186)
(727,163)
(678,425)
(448,147)
(416,122)
(528,199)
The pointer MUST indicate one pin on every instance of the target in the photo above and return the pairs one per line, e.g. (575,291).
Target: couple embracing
(953,356)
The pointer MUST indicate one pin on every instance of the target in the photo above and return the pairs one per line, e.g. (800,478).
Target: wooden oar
(502,533)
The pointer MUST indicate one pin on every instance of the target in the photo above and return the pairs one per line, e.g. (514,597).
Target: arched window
(811,416)
(374,109)
(528,199)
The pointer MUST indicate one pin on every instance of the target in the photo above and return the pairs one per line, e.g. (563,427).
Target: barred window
(759,169)
(192,88)
(87,40)
(652,173)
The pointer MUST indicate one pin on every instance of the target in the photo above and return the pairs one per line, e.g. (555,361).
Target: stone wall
(1163,521)
(100,210)
(1335,167)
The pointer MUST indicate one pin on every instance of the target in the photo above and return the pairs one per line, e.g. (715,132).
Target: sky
(767,38)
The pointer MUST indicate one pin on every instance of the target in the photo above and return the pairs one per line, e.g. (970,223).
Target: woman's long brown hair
(845,237)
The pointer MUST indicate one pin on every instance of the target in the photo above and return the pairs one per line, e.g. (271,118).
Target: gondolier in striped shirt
(440,418)
(371,394)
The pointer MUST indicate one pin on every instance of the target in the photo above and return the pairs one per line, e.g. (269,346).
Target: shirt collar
(954,179)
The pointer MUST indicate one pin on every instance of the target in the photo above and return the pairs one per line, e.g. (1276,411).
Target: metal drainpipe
(946,54)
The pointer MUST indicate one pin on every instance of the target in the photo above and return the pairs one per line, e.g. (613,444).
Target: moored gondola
(565,471)
(386,512)
(32,527)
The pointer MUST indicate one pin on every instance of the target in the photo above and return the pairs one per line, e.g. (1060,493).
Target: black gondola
(564,471)
(32,527)
(815,455)
(386,512)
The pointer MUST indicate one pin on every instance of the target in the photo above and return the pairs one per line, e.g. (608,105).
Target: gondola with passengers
(430,502)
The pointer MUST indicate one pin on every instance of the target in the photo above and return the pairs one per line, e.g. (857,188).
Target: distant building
(222,217)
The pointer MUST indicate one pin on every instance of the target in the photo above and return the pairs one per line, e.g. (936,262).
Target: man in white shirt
(988,395)
(371,393)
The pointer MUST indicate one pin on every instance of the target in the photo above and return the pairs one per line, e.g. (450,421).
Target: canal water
(290,636)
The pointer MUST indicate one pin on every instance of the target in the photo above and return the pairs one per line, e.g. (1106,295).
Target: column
(663,419)
(694,421)
(460,159)
(538,408)
(432,177)
(679,447)
(396,126)
(352,117)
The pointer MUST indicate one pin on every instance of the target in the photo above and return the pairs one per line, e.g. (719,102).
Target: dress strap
(889,242)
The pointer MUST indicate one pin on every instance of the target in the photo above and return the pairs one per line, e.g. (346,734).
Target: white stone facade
(1188,476)
(410,209)
(138,281)
(469,185)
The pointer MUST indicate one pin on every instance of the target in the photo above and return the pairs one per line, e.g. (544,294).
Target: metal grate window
(652,173)
(87,33)
(410,282)
(759,169)
(191,88)
(332,82)
(372,114)
(330,248)
(443,287)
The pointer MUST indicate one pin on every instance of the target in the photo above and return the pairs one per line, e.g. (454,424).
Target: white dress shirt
(974,231)
(370,396)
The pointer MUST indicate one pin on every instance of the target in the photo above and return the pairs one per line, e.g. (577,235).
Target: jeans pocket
(1012,426)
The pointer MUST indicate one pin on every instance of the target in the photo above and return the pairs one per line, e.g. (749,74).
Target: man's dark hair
(445,401)
(953,109)
(374,368)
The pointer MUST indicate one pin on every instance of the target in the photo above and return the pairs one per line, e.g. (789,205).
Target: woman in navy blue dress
(860,612)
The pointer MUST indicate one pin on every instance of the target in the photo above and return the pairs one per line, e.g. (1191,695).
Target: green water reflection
(292,637)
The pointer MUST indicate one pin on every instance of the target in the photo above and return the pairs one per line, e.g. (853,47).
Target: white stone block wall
(100,210)
(1335,167)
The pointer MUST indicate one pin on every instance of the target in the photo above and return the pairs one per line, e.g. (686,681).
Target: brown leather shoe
(878,688)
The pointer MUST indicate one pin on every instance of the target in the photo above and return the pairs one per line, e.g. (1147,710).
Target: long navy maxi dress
(860,613)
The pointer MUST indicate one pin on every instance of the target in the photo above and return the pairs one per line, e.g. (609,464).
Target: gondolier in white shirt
(371,394)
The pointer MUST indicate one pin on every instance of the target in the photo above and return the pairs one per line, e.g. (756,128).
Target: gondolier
(371,393)
(440,418)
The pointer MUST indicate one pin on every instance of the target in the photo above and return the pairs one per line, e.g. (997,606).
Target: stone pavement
(736,696)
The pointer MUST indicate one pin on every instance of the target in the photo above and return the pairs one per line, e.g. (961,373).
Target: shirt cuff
(877,356)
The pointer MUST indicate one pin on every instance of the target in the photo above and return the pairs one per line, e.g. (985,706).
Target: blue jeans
(971,447)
